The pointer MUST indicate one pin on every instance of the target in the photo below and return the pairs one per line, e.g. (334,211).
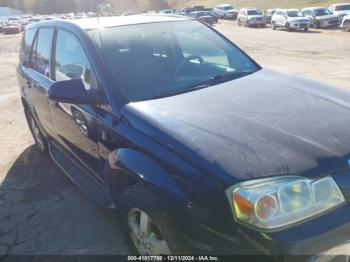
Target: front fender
(144,169)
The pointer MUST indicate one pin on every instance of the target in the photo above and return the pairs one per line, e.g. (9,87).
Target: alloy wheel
(145,234)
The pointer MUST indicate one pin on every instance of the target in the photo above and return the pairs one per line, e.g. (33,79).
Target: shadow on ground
(43,213)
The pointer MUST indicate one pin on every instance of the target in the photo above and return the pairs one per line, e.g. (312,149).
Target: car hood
(264,124)
(342,13)
(298,19)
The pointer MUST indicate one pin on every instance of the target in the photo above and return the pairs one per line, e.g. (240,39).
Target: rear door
(38,76)
(75,125)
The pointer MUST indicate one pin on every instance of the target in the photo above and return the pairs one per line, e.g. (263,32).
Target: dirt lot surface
(42,212)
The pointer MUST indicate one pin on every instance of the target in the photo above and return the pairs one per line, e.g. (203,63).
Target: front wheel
(40,140)
(149,228)
(306,29)
(239,22)
(287,27)
(273,25)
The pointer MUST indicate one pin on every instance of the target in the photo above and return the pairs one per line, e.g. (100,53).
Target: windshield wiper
(217,79)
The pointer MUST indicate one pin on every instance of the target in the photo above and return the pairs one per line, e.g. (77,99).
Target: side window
(27,46)
(42,51)
(71,61)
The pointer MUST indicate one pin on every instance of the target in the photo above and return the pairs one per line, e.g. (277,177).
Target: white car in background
(250,17)
(225,11)
(290,19)
(340,10)
(321,17)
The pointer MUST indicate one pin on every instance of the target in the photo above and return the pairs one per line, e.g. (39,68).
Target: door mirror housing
(72,92)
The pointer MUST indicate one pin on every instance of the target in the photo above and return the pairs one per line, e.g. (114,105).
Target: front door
(38,76)
(75,125)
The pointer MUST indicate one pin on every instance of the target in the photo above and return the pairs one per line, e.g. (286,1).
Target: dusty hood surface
(264,124)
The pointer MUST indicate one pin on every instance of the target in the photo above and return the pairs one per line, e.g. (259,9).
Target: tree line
(65,6)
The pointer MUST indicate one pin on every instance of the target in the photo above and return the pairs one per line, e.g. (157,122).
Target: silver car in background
(290,19)
(225,11)
(251,17)
(321,17)
(340,10)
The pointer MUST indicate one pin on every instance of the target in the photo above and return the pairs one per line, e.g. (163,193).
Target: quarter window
(27,46)
(42,53)
(71,61)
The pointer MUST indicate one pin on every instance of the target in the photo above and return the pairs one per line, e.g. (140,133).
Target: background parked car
(226,11)
(340,9)
(268,15)
(12,28)
(250,17)
(290,19)
(167,11)
(204,16)
(321,17)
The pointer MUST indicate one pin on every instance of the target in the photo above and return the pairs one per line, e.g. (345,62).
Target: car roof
(290,9)
(223,5)
(249,8)
(315,8)
(340,4)
(111,21)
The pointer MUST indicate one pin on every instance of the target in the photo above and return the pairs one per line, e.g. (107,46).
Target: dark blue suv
(198,148)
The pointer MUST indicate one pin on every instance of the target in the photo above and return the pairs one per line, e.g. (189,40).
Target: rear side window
(71,61)
(42,51)
(27,46)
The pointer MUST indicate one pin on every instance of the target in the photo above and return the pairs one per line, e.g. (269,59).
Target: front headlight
(271,203)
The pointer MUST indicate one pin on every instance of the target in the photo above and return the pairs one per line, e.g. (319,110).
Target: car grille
(302,25)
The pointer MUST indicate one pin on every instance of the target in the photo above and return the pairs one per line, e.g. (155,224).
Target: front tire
(273,25)
(239,22)
(287,26)
(148,227)
(39,139)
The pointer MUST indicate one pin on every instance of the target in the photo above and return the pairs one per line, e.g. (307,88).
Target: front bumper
(299,25)
(329,23)
(327,234)
(257,22)
(231,15)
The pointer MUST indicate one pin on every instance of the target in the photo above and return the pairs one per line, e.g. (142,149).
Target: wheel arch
(127,167)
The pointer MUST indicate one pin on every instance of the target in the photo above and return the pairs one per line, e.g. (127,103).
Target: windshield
(253,12)
(322,12)
(228,7)
(204,13)
(294,14)
(342,7)
(161,59)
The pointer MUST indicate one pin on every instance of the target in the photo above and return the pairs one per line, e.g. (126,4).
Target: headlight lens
(272,203)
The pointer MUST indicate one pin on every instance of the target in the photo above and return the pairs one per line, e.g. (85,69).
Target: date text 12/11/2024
(173,258)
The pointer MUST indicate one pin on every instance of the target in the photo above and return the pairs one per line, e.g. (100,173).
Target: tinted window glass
(71,61)
(160,59)
(41,55)
(27,46)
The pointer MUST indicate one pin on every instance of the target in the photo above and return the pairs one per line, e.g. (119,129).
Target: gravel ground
(42,212)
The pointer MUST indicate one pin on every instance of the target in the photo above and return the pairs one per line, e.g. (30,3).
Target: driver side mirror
(72,92)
